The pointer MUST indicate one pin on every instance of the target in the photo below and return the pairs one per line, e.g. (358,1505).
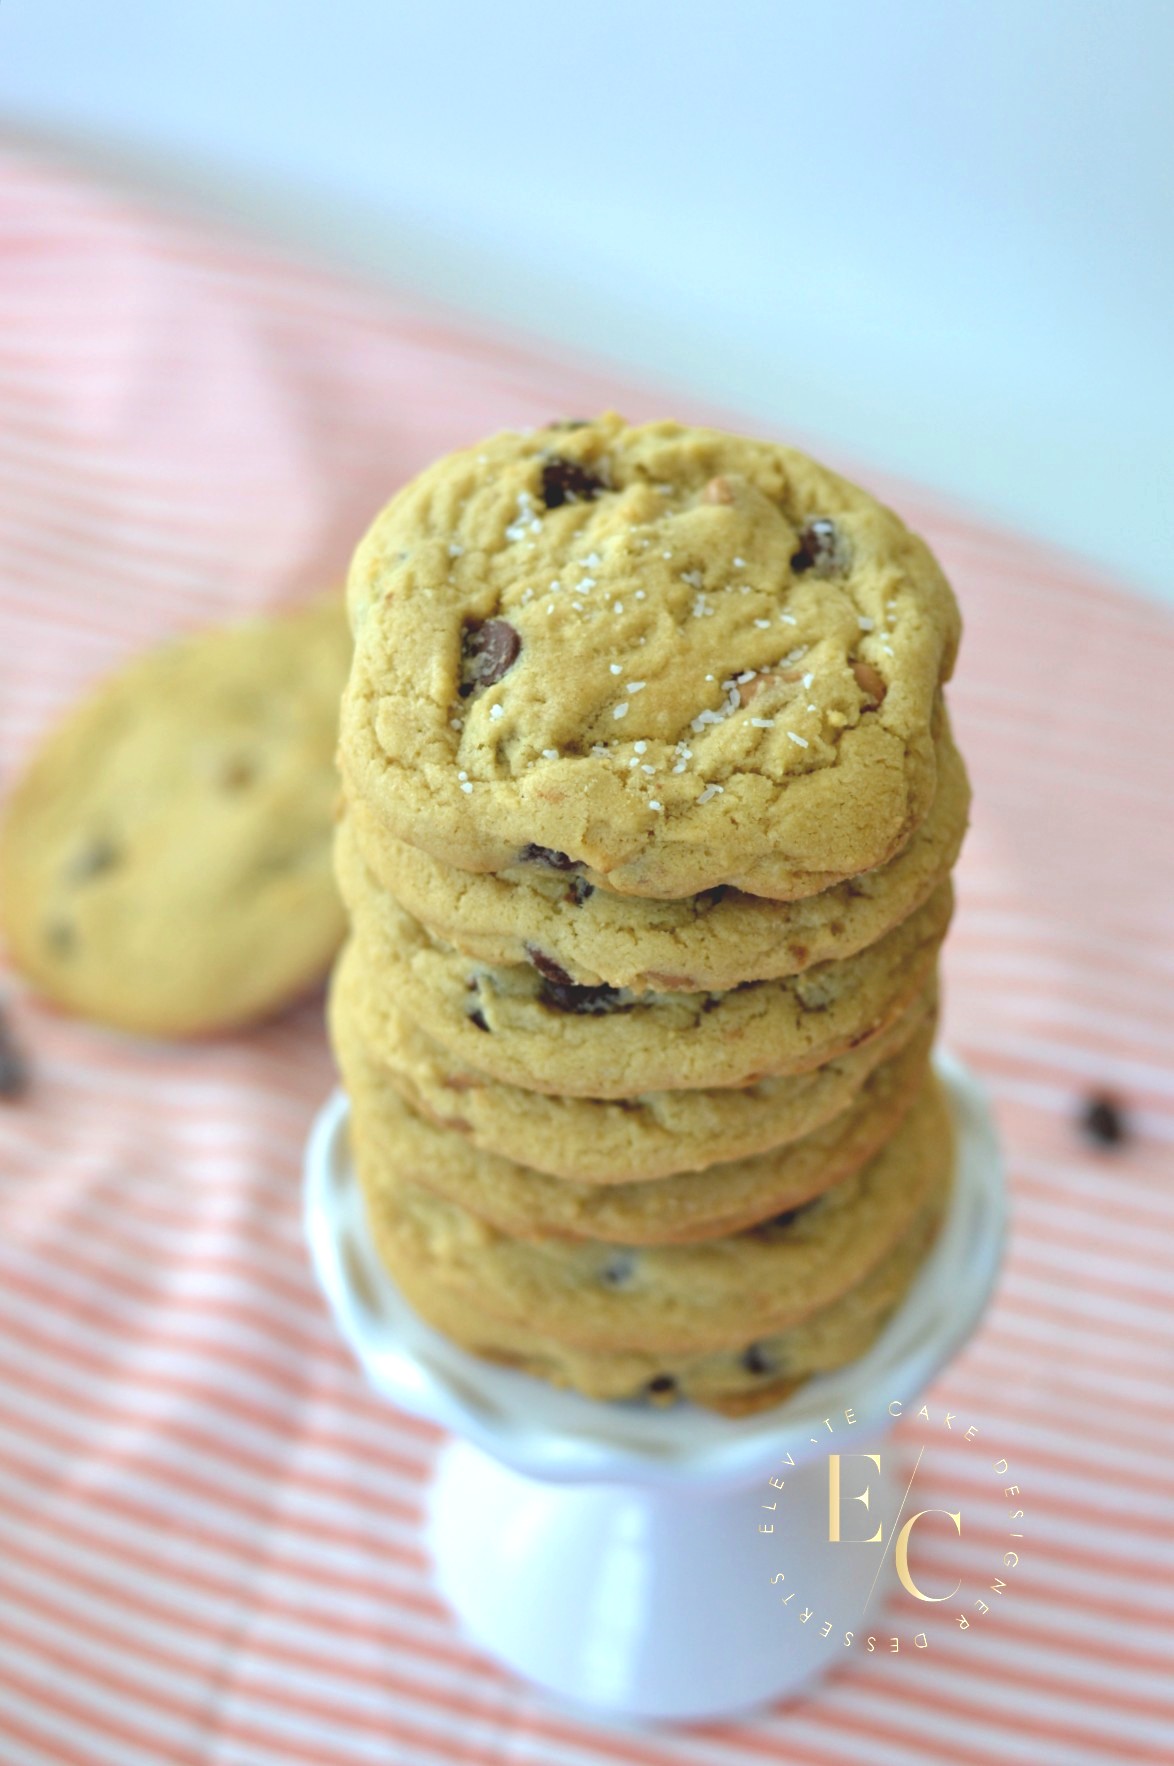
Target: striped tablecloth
(210,1539)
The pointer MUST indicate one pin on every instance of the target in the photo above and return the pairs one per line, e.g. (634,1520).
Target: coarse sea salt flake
(865,625)
(496,711)
(620,710)
(710,792)
(788,619)
(466,786)
(800,741)
(653,804)
(762,624)
(807,680)
(636,686)
(616,668)
(550,754)
(763,723)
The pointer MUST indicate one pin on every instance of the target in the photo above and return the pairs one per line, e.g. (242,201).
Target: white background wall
(936,233)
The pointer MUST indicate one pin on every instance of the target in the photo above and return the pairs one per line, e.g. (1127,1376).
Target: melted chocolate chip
(478,1018)
(566,481)
(591,1002)
(546,855)
(547,967)
(489,649)
(821,549)
(619,1271)
(92,860)
(661,1384)
(580,890)
(755,1362)
(14,1073)
(1103,1121)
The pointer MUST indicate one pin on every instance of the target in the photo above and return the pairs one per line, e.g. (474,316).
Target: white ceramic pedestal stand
(610,1553)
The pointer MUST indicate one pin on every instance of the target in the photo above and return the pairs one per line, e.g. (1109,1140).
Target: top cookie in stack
(652,804)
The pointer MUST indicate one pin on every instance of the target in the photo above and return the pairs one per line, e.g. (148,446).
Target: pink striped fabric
(209,1530)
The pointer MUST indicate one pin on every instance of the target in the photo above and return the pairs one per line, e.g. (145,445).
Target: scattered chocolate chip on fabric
(489,649)
(14,1072)
(1103,1121)
(566,481)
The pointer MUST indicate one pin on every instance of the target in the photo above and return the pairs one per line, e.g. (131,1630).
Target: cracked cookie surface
(165,860)
(671,657)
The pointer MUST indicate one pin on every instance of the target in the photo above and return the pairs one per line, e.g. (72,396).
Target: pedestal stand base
(611,1553)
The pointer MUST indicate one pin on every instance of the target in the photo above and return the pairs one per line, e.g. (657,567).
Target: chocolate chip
(92,860)
(237,774)
(821,549)
(60,937)
(546,855)
(1103,1121)
(478,1018)
(755,1362)
(778,1223)
(592,1002)
(619,1271)
(489,649)
(14,1073)
(661,1384)
(547,967)
(580,890)
(566,481)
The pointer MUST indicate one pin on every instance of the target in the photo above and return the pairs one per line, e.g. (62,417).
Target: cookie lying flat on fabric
(712,941)
(676,657)
(676,1210)
(165,861)
(531,1030)
(668,1299)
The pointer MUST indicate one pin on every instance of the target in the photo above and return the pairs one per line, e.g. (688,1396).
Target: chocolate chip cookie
(673,658)
(165,859)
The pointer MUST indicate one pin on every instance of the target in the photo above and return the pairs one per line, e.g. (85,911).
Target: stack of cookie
(650,811)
